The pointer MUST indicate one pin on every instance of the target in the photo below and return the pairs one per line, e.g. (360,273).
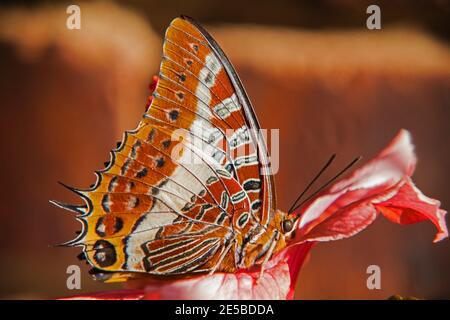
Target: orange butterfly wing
(178,185)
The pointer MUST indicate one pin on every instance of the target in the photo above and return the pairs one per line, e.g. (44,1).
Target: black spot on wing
(151,135)
(106,203)
(166,143)
(135,148)
(159,162)
(180,95)
(256,205)
(125,167)
(113,183)
(105,253)
(242,220)
(142,173)
(174,114)
(253,184)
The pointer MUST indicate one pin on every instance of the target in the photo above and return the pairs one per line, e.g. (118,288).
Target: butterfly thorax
(255,244)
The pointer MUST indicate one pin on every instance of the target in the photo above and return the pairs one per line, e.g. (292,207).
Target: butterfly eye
(287,226)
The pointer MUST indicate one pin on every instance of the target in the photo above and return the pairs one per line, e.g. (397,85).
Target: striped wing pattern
(184,190)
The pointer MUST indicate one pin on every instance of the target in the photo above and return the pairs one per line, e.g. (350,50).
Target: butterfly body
(190,189)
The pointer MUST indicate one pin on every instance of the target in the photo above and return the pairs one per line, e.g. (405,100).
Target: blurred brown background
(311,69)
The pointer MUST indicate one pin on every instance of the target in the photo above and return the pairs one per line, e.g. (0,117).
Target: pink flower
(382,185)
(346,208)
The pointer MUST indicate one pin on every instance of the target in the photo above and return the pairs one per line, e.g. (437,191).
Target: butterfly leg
(222,256)
(266,258)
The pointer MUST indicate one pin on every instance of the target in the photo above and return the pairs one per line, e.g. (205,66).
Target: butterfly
(190,190)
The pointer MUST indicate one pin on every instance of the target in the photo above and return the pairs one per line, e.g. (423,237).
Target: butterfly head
(286,223)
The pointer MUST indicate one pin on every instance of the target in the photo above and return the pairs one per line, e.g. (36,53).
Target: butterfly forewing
(177,186)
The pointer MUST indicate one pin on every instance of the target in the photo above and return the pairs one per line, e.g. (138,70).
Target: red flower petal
(296,257)
(274,284)
(409,205)
(383,185)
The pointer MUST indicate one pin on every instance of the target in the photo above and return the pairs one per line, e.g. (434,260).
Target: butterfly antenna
(312,182)
(327,183)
